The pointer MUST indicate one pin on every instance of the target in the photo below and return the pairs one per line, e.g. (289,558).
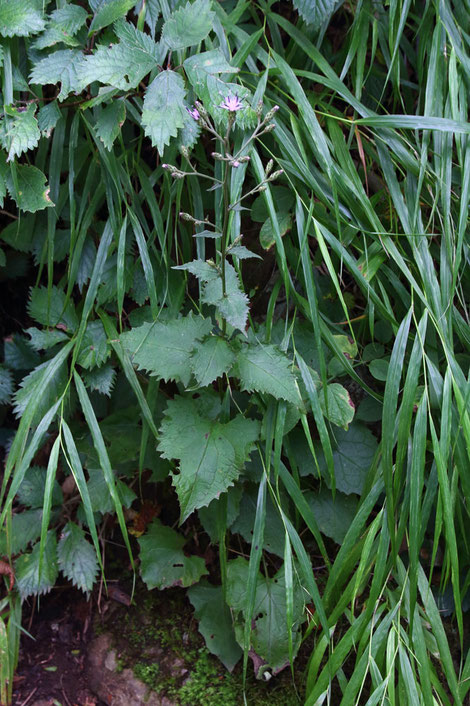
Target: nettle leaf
(211,454)
(339,408)
(352,456)
(100,496)
(63,24)
(95,349)
(189,25)
(108,11)
(19,131)
(6,385)
(32,193)
(234,305)
(333,515)
(30,384)
(110,121)
(207,63)
(77,557)
(42,340)
(243,253)
(31,490)
(162,561)
(51,310)
(100,379)
(315,12)
(164,349)
(25,528)
(48,117)
(19,354)
(189,133)
(211,358)
(264,368)
(21,18)
(269,636)
(163,110)
(134,57)
(28,579)
(62,67)
(206,271)
(215,622)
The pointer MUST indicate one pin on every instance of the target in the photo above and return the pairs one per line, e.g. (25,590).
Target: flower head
(194,113)
(232,103)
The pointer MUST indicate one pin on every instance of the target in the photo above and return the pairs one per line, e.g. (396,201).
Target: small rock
(117,688)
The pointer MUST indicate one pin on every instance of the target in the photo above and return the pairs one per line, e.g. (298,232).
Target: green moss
(206,686)
(148,673)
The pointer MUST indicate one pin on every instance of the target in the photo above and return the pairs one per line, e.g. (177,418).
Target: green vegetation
(234,245)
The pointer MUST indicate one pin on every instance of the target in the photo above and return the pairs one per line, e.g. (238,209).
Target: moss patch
(158,639)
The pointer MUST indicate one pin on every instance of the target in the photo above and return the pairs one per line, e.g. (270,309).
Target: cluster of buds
(231,160)
(187,217)
(175,173)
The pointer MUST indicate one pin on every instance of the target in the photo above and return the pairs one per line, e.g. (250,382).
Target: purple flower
(232,103)
(194,113)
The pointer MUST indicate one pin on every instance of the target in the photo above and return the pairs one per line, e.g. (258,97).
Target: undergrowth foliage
(244,233)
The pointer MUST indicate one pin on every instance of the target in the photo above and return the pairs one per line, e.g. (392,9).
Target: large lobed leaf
(164,111)
(77,557)
(265,369)
(189,25)
(30,190)
(211,454)
(29,580)
(21,18)
(19,130)
(269,636)
(315,12)
(163,562)
(64,67)
(164,349)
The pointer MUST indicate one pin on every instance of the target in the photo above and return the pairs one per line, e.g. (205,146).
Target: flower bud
(269,128)
(276,175)
(269,167)
(218,156)
(185,152)
(259,110)
(202,111)
(186,216)
(246,158)
(271,113)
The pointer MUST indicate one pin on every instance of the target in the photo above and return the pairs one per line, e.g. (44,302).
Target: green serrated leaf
(269,636)
(21,18)
(234,305)
(48,116)
(163,562)
(77,557)
(42,340)
(25,528)
(315,12)
(164,110)
(188,25)
(19,354)
(207,63)
(339,408)
(189,133)
(63,24)
(205,271)
(215,622)
(64,67)
(211,358)
(234,308)
(211,454)
(352,456)
(109,11)
(109,122)
(31,490)
(243,253)
(334,516)
(100,379)
(122,65)
(51,310)
(28,580)
(19,131)
(263,368)
(29,386)
(95,349)
(164,349)
(30,191)
(6,385)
